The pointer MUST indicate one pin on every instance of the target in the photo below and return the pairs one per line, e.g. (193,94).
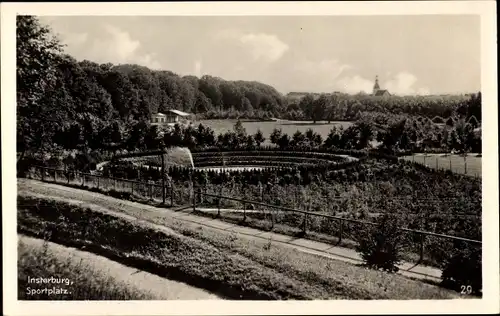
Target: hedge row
(273,153)
(311,152)
(288,159)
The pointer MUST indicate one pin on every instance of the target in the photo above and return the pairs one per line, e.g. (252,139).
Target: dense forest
(67,104)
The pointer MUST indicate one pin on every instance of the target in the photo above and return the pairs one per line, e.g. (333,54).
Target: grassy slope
(257,267)
(88,283)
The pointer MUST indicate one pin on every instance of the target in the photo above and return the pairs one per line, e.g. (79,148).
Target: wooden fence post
(83,179)
(194,200)
(218,203)
(43,173)
(304,225)
(171,194)
(163,178)
(55,175)
(341,230)
(422,242)
(244,211)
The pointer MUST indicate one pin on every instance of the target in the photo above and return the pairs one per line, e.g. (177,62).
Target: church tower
(376,87)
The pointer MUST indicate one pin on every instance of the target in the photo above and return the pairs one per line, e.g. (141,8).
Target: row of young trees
(396,134)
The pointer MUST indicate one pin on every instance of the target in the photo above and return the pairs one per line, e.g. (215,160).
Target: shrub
(473,121)
(463,269)
(380,245)
(450,121)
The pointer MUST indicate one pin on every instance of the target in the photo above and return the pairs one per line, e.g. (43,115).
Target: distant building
(382,93)
(379,92)
(170,118)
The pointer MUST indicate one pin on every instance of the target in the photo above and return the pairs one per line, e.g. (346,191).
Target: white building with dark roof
(171,117)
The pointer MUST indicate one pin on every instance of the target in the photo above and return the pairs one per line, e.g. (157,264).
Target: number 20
(466,289)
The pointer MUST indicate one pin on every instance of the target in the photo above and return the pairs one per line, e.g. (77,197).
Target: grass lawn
(441,161)
(288,127)
(240,267)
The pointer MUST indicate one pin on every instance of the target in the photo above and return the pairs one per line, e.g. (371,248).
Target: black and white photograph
(260,157)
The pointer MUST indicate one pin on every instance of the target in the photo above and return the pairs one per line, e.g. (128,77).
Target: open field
(288,127)
(441,161)
(245,267)
(87,276)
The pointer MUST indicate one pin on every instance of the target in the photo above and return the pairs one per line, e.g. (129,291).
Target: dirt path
(158,287)
(119,208)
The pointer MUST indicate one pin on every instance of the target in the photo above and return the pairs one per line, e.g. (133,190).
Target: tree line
(394,135)
(65,104)
(345,107)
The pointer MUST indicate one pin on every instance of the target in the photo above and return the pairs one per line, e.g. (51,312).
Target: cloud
(355,84)
(404,84)
(330,67)
(265,46)
(262,46)
(113,45)
(120,44)
(310,75)
(423,91)
(75,39)
(197,68)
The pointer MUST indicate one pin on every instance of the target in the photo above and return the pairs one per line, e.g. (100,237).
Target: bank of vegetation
(228,264)
(75,114)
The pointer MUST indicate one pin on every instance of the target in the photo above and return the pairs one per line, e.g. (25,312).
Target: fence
(339,229)
(336,229)
(164,193)
(454,163)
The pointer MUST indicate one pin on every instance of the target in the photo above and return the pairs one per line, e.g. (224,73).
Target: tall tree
(275,136)
(318,109)
(259,138)
(37,54)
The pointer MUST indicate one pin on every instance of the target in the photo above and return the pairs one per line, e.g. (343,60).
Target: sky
(419,54)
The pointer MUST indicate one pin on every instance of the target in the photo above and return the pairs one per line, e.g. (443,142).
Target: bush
(463,269)
(438,120)
(380,245)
